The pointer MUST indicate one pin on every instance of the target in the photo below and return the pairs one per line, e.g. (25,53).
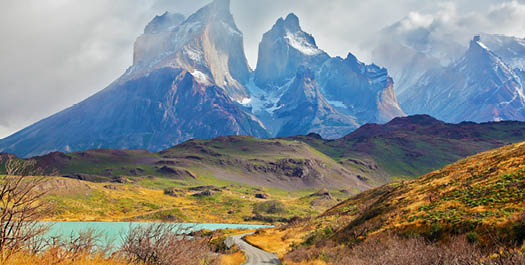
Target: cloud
(56,53)
(455,23)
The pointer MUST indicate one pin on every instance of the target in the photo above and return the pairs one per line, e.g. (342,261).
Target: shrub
(472,237)
(269,207)
(518,228)
(163,244)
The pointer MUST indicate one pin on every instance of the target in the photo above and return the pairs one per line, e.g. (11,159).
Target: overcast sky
(55,53)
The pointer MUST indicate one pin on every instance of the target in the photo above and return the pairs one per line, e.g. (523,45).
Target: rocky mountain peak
(222,5)
(292,22)
(476,45)
(164,23)
(288,24)
(218,10)
(479,58)
(284,49)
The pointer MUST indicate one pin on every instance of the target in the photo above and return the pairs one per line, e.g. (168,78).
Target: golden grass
(236,258)
(47,259)
(88,201)
(309,262)
(276,240)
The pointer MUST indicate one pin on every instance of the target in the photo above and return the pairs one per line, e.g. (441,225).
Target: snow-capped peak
(300,43)
(477,44)
(290,30)
(477,41)
(483,45)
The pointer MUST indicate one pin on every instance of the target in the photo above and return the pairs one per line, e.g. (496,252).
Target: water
(113,231)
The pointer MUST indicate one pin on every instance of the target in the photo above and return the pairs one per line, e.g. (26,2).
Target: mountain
(510,49)
(480,197)
(183,84)
(479,86)
(372,155)
(342,93)
(283,50)
(365,92)
(190,80)
(304,109)
(207,44)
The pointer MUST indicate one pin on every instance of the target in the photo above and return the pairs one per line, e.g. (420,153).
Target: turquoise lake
(114,230)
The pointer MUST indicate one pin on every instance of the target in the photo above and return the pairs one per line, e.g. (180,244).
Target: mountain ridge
(372,155)
(190,79)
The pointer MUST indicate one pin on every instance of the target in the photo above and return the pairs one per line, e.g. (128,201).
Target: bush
(473,237)
(518,228)
(392,249)
(269,207)
(163,244)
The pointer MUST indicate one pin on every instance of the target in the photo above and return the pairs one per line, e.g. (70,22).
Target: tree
(21,207)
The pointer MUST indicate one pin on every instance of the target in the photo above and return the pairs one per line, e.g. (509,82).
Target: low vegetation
(470,212)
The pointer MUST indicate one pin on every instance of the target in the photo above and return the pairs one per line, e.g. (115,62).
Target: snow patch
(200,77)
(301,44)
(193,54)
(337,104)
(483,45)
(244,101)
(265,101)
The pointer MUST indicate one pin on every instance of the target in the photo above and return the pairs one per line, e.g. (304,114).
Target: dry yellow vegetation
(482,197)
(236,258)
(75,200)
(49,259)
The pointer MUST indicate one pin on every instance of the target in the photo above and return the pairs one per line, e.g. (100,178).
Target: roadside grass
(236,258)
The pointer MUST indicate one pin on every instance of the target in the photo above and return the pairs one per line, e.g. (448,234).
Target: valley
(304,157)
(242,179)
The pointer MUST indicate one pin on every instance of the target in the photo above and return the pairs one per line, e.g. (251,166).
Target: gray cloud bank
(54,53)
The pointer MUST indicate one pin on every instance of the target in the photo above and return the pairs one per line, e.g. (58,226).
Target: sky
(55,53)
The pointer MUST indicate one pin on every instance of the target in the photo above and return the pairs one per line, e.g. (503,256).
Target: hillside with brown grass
(479,201)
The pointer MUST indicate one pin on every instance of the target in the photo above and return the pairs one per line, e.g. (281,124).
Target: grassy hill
(415,145)
(275,163)
(481,197)
(127,184)
(144,200)
(371,156)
